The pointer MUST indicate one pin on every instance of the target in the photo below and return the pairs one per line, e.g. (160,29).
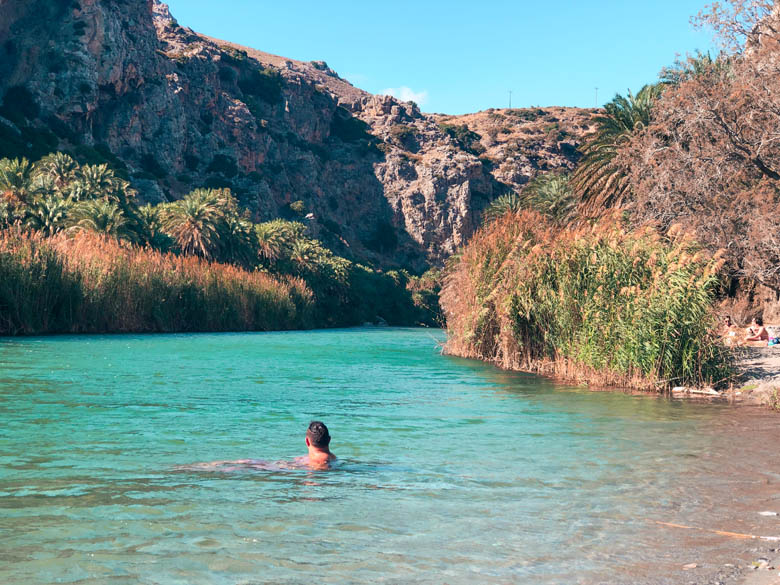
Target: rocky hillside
(518,144)
(376,179)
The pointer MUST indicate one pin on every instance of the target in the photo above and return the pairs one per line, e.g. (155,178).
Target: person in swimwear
(319,456)
(757,331)
(318,443)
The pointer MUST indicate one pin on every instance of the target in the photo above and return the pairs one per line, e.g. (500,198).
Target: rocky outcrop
(518,144)
(378,180)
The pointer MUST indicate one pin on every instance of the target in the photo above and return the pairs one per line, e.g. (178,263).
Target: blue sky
(456,57)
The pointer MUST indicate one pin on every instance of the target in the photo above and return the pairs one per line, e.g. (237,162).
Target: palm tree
(48,214)
(7,216)
(95,182)
(43,185)
(61,169)
(151,228)
(16,180)
(598,180)
(239,242)
(269,241)
(194,222)
(305,255)
(551,195)
(102,217)
(502,205)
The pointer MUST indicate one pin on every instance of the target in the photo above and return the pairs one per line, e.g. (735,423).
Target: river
(450,471)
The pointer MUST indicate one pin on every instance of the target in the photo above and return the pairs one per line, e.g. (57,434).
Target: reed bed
(91,284)
(599,304)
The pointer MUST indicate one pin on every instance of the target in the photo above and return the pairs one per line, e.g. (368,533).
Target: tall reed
(90,283)
(600,303)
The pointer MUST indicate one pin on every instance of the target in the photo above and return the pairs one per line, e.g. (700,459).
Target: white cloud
(407,94)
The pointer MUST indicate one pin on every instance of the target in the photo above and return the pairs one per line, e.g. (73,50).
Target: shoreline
(757,382)
(759,378)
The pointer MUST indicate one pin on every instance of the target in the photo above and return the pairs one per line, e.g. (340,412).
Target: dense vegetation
(601,303)
(197,263)
(89,283)
(588,275)
(699,148)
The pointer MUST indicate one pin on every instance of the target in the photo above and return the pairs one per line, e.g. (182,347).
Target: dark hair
(759,321)
(318,434)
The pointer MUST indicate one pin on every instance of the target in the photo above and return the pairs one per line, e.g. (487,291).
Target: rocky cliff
(374,178)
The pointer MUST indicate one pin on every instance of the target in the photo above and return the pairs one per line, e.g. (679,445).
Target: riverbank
(88,283)
(759,381)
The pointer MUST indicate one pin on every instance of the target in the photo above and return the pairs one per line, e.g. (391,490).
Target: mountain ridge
(374,178)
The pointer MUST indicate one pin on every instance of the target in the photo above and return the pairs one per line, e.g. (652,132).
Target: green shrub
(19,105)
(347,128)
(265,84)
(224,165)
(463,137)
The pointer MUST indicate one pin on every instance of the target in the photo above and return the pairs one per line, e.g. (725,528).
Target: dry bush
(710,159)
(90,283)
(600,303)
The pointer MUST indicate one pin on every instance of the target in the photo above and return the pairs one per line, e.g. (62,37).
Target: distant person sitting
(728,327)
(757,331)
(728,331)
(318,442)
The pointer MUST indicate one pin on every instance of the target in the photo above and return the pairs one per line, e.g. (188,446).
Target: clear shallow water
(451,471)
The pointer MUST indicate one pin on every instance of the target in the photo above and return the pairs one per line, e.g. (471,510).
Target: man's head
(758,321)
(317,436)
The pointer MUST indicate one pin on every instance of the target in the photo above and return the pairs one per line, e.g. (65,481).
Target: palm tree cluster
(56,194)
(600,180)
(549,194)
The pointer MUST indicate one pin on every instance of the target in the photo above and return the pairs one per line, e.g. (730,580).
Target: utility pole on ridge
(510,99)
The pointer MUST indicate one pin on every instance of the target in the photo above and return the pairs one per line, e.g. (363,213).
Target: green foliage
(347,128)
(19,105)
(527,114)
(89,284)
(298,207)
(550,195)
(27,141)
(98,155)
(697,65)
(501,205)
(224,165)
(16,180)
(151,232)
(467,139)
(48,214)
(151,165)
(598,180)
(383,238)
(57,197)
(102,217)
(404,136)
(265,84)
(193,222)
(601,303)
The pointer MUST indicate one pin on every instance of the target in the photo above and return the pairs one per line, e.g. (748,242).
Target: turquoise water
(450,471)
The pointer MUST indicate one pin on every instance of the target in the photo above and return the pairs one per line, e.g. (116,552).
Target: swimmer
(319,457)
(318,442)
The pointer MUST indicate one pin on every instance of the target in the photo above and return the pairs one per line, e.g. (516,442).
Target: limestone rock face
(121,81)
